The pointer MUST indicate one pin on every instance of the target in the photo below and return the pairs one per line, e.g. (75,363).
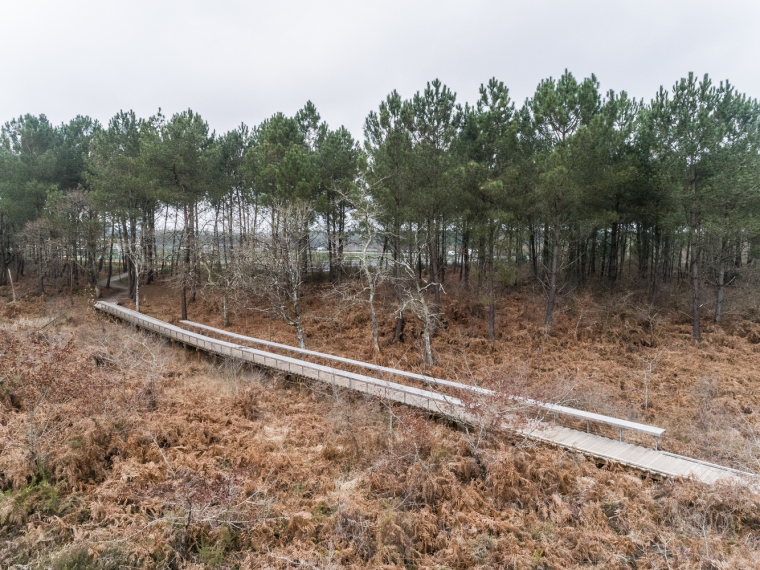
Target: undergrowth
(141,455)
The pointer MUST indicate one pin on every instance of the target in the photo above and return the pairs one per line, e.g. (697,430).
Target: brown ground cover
(119,451)
(706,396)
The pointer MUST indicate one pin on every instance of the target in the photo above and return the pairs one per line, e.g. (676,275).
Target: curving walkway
(652,461)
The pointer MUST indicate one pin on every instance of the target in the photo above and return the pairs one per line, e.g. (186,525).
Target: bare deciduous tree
(140,261)
(646,377)
(372,271)
(415,299)
(273,267)
(223,280)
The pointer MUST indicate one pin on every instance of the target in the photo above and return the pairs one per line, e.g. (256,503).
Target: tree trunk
(428,348)
(612,266)
(655,265)
(187,268)
(13,289)
(545,251)
(110,259)
(694,277)
(553,276)
(95,282)
(721,282)
(738,256)
(466,257)
(491,295)
(299,328)
(397,335)
(481,261)
(194,253)
(435,276)
(584,261)
(3,263)
(148,253)
(137,293)
(183,302)
(330,262)
(372,311)
(430,361)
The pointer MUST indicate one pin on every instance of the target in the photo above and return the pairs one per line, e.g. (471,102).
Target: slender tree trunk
(427,324)
(641,251)
(428,347)
(696,333)
(571,274)
(330,263)
(137,291)
(545,251)
(110,259)
(148,254)
(42,272)
(3,264)
(612,266)
(13,289)
(491,293)
(397,285)
(174,255)
(721,282)
(183,302)
(553,276)
(625,242)
(341,239)
(96,283)
(481,261)
(466,257)
(194,254)
(584,261)
(186,270)
(655,265)
(435,277)
(297,313)
(738,252)
(372,311)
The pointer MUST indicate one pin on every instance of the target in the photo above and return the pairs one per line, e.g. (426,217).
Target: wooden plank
(639,455)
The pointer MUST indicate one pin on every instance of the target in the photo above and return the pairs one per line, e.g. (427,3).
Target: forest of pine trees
(575,187)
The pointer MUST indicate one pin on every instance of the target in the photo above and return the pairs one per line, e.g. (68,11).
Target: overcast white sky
(235,61)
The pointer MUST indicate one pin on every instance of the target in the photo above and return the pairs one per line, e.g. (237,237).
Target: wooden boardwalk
(652,461)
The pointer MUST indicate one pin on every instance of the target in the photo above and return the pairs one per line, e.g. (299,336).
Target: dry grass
(176,461)
(595,356)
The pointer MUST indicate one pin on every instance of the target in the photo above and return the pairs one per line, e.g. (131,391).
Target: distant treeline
(570,185)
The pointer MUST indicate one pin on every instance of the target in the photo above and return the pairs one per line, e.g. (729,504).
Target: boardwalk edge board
(651,461)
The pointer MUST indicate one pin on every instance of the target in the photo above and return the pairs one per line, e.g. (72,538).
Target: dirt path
(116,291)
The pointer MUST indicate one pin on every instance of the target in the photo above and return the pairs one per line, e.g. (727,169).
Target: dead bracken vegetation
(607,353)
(119,451)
